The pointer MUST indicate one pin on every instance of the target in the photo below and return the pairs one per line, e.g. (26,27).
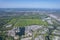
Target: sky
(30,4)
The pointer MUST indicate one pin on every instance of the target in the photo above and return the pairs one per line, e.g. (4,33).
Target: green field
(27,22)
(12,21)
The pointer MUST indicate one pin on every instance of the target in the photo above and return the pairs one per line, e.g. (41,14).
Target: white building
(40,37)
(56,38)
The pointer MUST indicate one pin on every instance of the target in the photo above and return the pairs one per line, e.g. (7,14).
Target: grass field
(12,21)
(27,22)
(23,20)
